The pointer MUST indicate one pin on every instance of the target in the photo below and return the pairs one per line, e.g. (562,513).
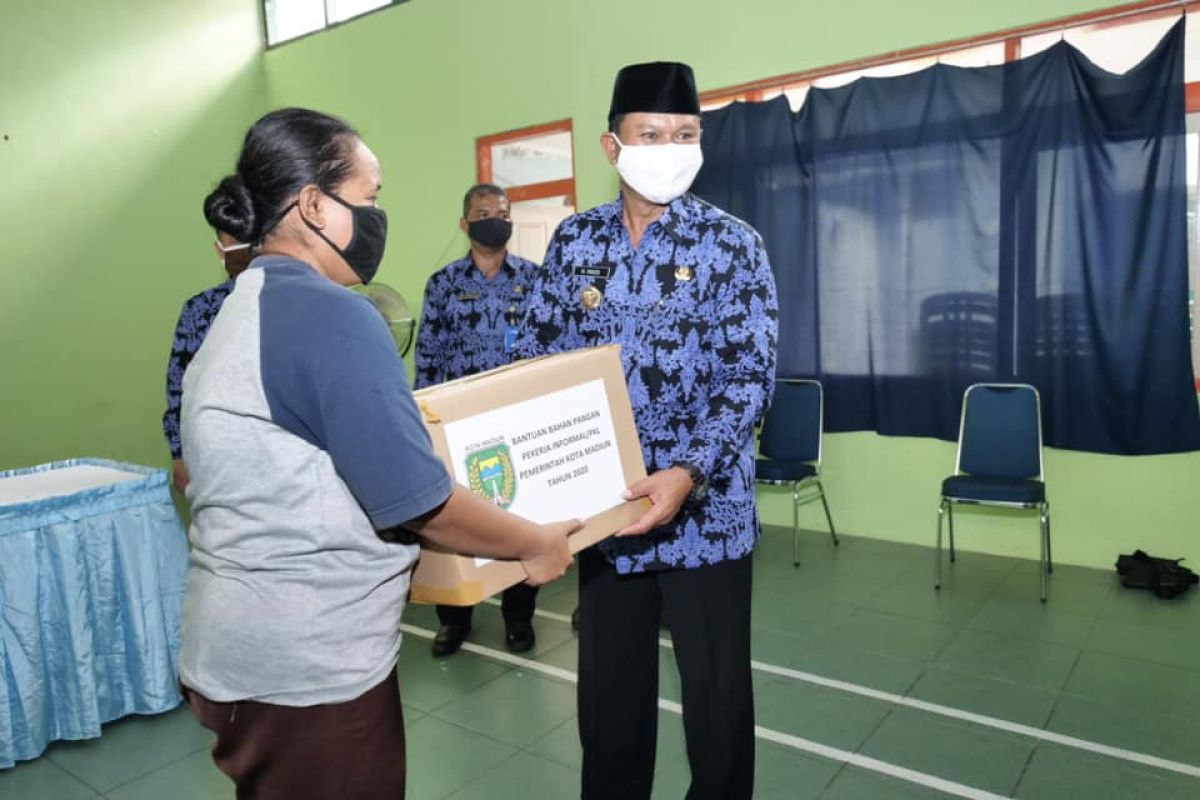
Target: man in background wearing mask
(473,307)
(194,321)
(687,292)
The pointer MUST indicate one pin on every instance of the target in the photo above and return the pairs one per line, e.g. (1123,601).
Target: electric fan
(392,307)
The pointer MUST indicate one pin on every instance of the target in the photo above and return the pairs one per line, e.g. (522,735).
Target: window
(1119,45)
(978,56)
(1114,39)
(536,167)
(290,19)
(532,159)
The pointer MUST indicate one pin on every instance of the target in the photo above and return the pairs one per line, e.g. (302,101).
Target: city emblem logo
(490,474)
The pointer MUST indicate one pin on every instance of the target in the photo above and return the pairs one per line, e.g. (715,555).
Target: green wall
(121,118)
(115,120)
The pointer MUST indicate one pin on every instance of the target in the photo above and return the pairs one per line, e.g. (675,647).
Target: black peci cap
(660,87)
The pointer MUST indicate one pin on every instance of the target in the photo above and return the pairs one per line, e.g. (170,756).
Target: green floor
(1098,664)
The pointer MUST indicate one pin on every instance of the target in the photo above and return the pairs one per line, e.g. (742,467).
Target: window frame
(266,30)
(529,191)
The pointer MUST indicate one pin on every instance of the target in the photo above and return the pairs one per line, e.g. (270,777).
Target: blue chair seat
(772,469)
(995,490)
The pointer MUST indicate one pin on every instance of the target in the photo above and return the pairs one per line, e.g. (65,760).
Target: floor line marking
(950,712)
(982,719)
(768,734)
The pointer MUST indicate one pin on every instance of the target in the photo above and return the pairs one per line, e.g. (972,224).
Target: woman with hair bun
(312,482)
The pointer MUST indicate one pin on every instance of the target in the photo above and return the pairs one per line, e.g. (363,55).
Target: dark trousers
(339,751)
(516,604)
(708,612)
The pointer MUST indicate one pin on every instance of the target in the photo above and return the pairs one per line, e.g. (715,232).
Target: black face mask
(490,232)
(367,240)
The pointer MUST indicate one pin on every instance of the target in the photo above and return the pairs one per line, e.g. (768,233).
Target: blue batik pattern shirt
(194,321)
(695,312)
(469,322)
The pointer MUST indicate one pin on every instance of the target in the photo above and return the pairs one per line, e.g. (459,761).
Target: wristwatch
(699,483)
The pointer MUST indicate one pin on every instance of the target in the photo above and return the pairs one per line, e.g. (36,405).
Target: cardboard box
(550,438)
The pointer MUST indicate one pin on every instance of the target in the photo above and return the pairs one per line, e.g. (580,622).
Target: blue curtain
(1018,223)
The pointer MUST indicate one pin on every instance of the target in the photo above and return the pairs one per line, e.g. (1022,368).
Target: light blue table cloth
(91,592)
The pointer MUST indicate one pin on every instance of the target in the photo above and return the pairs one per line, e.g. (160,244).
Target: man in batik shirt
(194,321)
(473,307)
(687,292)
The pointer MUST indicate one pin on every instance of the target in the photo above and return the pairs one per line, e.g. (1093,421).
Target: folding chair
(791,444)
(999,462)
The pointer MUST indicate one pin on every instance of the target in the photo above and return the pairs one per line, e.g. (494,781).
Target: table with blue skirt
(93,560)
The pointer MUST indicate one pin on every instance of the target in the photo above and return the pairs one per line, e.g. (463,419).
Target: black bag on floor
(1163,576)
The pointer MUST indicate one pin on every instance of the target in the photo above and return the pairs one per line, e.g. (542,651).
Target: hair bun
(230,209)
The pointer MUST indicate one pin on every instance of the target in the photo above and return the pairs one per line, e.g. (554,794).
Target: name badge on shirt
(467,297)
(510,338)
(602,271)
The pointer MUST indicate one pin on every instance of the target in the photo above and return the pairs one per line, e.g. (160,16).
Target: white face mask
(659,172)
(233,248)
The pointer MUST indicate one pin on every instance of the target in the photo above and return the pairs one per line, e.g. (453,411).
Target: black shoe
(449,639)
(520,638)
(575,619)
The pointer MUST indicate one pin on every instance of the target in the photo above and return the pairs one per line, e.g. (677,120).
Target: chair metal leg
(937,555)
(1045,551)
(950,514)
(796,524)
(828,517)
(1049,556)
